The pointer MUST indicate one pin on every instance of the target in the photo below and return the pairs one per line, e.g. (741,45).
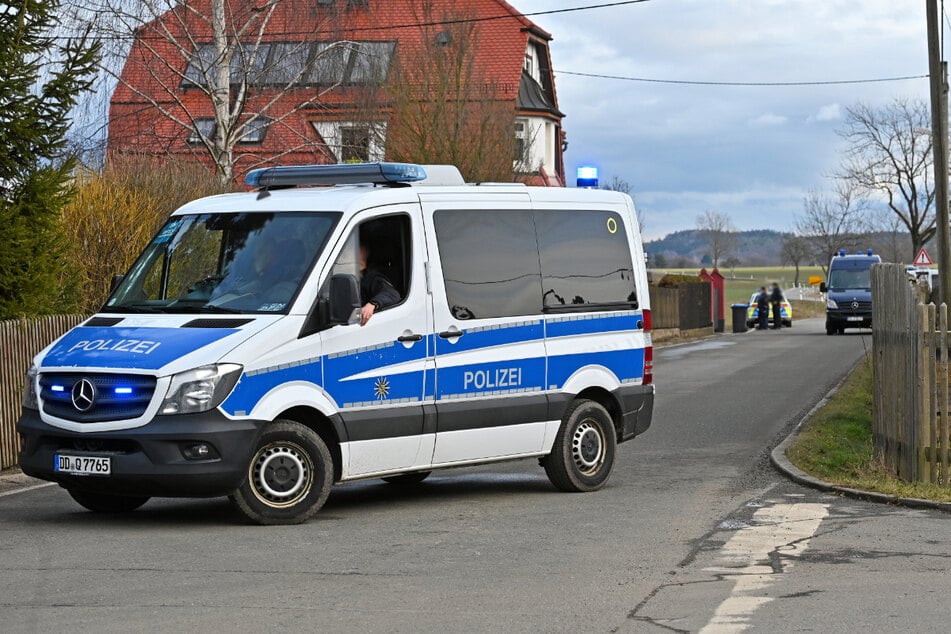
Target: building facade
(325,81)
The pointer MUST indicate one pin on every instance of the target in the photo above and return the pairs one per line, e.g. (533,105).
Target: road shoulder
(794,473)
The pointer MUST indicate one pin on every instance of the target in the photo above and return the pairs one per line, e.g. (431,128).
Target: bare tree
(832,221)
(795,251)
(224,52)
(889,155)
(443,106)
(720,234)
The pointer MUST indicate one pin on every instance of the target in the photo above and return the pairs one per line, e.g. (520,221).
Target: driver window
(378,253)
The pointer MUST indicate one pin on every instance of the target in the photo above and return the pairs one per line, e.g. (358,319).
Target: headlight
(29,389)
(201,389)
(830,303)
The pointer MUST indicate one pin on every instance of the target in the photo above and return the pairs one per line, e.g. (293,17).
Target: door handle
(409,338)
(450,334)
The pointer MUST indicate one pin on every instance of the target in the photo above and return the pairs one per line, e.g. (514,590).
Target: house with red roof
(316,81)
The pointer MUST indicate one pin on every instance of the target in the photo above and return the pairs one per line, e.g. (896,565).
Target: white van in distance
(347,322)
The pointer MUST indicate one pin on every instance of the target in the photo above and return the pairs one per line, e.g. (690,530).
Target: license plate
(82,465)
(854,318)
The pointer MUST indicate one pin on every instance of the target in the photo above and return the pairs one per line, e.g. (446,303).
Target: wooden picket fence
(20,340)
(910,340)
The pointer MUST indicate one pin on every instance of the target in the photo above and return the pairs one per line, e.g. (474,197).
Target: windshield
(224,262)
(843,279)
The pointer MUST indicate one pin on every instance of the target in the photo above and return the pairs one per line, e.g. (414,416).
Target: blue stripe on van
(492,379)
(625,364)
(488,337)
(584,325)
(252,386)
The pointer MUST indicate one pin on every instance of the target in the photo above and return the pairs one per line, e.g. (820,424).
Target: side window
(378,253)
(585,259)
(489,263)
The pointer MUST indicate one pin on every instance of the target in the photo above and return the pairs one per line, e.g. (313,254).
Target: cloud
(768,119)
(828,112)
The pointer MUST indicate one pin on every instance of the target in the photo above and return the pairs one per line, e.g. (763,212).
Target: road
(694,532)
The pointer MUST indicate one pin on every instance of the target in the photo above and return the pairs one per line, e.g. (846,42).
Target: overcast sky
(751,152)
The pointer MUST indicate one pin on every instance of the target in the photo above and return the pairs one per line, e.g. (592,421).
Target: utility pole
(938,73)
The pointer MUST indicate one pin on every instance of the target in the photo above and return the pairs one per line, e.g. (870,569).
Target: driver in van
(376,292)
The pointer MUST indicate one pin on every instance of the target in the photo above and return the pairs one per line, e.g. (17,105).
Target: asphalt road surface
(694,532)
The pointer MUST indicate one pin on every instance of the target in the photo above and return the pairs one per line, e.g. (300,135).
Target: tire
(105,503)
(830,331)
(289,476)
(407,479)
(582,456)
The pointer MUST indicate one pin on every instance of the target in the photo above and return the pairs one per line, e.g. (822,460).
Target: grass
(742,282)
(836,445)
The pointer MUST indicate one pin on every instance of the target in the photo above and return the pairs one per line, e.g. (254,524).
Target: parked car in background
(752,314)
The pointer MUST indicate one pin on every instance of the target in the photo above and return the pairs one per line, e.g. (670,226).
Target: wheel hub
(281,474)
(587,447)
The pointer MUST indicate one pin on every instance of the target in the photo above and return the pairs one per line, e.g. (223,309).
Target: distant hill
(761,247)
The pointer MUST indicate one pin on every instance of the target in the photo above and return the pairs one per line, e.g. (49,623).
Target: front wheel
(583,454)
(105,503)
(289,476)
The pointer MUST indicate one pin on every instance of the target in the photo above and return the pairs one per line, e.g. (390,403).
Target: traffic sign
(923,259)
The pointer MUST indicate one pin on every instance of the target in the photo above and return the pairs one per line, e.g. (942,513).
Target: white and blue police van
(238,358)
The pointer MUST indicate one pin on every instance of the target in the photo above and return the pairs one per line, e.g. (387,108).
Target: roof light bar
(337,174)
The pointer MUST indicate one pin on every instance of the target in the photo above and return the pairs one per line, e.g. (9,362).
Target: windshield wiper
(130,308)
(204,308)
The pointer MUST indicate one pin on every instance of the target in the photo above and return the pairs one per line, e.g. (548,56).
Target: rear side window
(585,261)
(489,263)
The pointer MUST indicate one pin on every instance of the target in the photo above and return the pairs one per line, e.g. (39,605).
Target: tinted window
(489,263)
(585,259)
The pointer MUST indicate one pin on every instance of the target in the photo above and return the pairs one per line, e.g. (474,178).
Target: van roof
(345,186)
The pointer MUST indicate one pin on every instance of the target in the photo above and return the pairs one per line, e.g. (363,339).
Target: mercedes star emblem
(84,395)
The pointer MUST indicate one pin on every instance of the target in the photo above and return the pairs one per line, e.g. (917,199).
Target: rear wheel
(106,503)
(289,476)
(407,479)
(583,454)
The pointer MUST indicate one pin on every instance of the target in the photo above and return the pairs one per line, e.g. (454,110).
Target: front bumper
(147,460)
(848,319)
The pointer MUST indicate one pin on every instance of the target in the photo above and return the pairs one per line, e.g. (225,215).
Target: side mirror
(344,298)
(114,283)
(823,288)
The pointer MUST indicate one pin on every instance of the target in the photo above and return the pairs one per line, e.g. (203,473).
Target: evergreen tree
(40,80)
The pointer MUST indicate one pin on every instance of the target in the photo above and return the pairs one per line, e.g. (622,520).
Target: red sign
(923,259)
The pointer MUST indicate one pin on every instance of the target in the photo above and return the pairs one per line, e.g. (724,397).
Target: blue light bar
(123,390)
(337,174)
(57,388)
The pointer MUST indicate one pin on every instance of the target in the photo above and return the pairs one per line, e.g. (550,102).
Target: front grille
(116,396)
(862,307)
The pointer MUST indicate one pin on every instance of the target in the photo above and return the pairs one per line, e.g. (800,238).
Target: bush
(113,215)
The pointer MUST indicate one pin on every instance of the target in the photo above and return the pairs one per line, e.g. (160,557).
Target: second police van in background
(230,360)
(849,291)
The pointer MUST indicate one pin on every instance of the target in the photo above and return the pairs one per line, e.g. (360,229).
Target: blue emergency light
(587,176)
(335,174)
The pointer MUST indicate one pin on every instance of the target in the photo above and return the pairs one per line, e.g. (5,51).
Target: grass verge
(836,445)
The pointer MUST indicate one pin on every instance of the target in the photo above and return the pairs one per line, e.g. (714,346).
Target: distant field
(742,282)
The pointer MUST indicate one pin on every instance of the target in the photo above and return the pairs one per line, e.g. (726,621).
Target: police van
(849,291)
(237,356)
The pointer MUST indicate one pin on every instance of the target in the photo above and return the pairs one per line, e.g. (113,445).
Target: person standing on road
(776,299)
(762,308)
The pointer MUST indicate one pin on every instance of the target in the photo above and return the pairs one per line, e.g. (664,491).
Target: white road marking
(784,528)
(25,489)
